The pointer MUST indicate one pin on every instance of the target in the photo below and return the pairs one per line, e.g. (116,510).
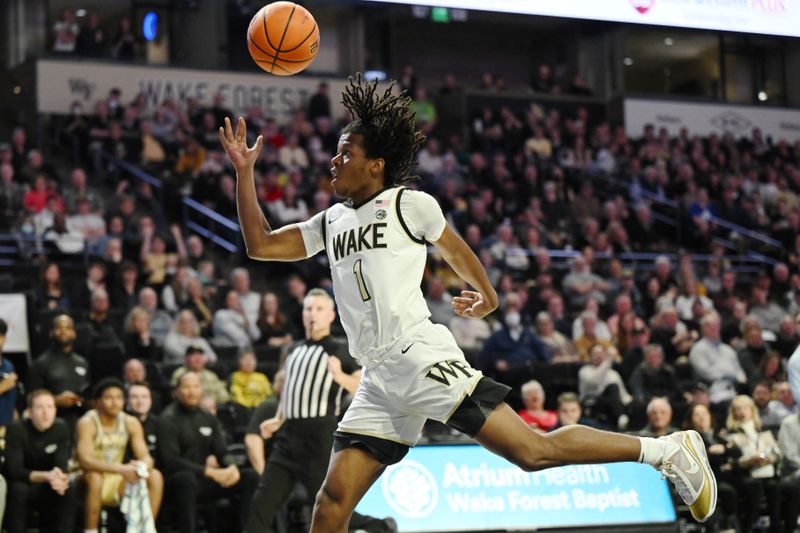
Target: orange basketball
(283,38)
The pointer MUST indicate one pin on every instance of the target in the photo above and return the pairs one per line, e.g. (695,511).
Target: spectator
(784,400)
(533,413)
(125,46)
(92,40)
(8,382)
(570,412)
(600,330)
(272,323)
(770,368)
(581,284)
(543,82)
(787,339)
(11,197)
(185,333)
(193,452)
(125,290)
(603,386)
(293,156)
(81,189)
(770,412)
(248,387)
(513,347)
(769,314)
(62,371)
(51,294)
(652,378)
(470,334)
(758,456)
(103,328)
(36,456)
(231,326)
(751,353)
(716,362)
(139,404)
(319,105)
(139,341)
(584,343)
(173,296)
(250,300)
(659,419)
(289,207)
(160,321)
(197,303)
(65,32)
(195,362)
(103,436)
(561,348)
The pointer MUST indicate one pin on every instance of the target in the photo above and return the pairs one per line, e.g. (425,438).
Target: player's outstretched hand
(235,144)
(470,305)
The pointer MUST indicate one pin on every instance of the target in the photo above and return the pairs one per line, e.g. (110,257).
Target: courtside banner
(707,118)
(466,488)
(772,17)
(59,83)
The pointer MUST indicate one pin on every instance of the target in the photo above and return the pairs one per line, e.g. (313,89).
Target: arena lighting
(80,12)
(375,75)
(668,41)
(628,61)
(150,26)
(762,96)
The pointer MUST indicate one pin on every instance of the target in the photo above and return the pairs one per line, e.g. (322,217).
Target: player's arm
(261,241)
(138,443)
(463,260)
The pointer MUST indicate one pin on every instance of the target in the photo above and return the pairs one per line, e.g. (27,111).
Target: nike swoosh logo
(694,459)
(332,220)
(408,347)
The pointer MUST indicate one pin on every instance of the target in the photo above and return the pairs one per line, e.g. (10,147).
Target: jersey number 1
(362,287)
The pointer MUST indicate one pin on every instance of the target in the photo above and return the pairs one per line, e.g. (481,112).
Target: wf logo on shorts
(440,371)
(410,489)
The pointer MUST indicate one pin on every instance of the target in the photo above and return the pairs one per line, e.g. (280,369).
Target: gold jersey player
(413,370)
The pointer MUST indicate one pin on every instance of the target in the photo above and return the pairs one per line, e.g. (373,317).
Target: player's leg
(505,434)
(351,473)
(93,499)
(680,456)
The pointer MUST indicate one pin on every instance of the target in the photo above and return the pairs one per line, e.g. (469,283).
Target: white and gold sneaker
(685,463)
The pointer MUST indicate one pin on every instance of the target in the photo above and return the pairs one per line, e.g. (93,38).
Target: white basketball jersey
(377,259)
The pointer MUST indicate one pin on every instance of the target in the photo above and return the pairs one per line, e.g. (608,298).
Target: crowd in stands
(604,337)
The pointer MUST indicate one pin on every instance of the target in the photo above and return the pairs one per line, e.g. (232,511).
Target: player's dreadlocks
(387,126)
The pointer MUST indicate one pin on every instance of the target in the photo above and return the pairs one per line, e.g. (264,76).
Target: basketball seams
(285,29)
(301,43)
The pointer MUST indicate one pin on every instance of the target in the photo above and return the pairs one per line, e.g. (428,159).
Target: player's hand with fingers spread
(470,305)
(235,144)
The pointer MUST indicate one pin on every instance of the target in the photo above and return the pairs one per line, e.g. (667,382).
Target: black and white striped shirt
(309,390)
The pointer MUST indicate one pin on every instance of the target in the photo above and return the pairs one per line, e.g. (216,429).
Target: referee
(317,370)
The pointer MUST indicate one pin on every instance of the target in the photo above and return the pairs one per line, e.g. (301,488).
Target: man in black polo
(63,372)
(192,449)
(37,451)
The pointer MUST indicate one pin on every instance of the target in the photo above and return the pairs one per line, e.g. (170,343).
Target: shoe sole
(697,448)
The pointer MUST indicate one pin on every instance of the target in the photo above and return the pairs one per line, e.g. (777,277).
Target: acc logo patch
(380,214)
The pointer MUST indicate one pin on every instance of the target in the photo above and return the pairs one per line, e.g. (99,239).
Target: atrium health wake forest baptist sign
(462,488)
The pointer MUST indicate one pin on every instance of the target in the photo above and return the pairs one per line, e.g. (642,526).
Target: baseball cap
(194,348)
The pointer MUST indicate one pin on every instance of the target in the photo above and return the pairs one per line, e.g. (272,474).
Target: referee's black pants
(56,513)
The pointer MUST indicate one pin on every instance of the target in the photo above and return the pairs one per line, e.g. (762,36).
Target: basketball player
(103,435)
(413,370)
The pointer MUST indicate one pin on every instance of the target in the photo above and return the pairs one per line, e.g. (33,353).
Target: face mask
(513,319)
